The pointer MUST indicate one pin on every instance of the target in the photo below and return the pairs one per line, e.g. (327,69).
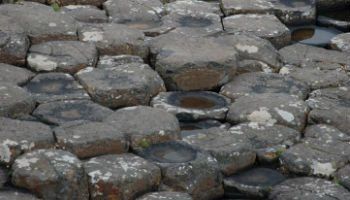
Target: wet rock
(260,83)
(313,35)
(324,150)
(308,188)
(39,21)
(13,74)
(254,183)
(330,106)
(193,128)
(232,153)
(4,177)
(269,108)
(15,101)
(180,59)
(125,85)
(124,176)
(343,176)
(115,61)
(51,174)
(13,48)
(59,112)
(193,106)
(50,87)
(15,194)
(186,169)
(165,196)
(114,39)
(85,13)
(193,6)
(338,18)
(90,139)
(18,137)
(269,142)
(341,42)
(63,56)
(327,4)
(264,26)
(145,126)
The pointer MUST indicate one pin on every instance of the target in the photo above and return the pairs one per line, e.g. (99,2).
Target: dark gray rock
(15,194)
(85,13)
(193,128)
(165,196)
(15,75)
(341,42)
(329,4)
(342,176)
(13,48)
(115,61)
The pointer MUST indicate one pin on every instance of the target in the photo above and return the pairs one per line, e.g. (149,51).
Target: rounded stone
(193,128)
(13,48)
(115,61)
(15,194)
(342,176)
(192,106)
(314,35)
(85,13)
(341,42)
(165,196)
(15,75)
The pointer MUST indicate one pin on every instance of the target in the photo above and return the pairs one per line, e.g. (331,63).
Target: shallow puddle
(314,35)
(196,102)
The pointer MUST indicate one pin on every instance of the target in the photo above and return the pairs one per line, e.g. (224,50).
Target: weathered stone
(85,13)
(341,42)
(121,177)
(59,112)
(4,177)
(269,142)
(343,176)
(51,174)
(269,108)
(90,139)
(260,83)
(63,56)
(165,196)
(308,188)
(193,128)
(114,39)
(114,61)
(125,85)
(13,74)
(14,100)
(15,194)
(324,150)
(192,6)
(17,137)
(50,87)
(264,26)
(232,153)
(145,126)
(186,169)
(73,2)
(193,106)
(180,59)
(39,21)
(13,48)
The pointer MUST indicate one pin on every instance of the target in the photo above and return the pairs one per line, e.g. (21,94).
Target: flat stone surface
(343,176)
(53,86)
(59,112)
(180,59)
(14,194)
(115,61)
(15,101)
(18,137)
(15,75)
(51,174)
(308,188)
(193,128)
(165,196)
(13,48)
(269,108)
(341,42)
(264,26)
(193,6)
(63,56)
(85,13)
(125,85)
(124,176)
(259,83)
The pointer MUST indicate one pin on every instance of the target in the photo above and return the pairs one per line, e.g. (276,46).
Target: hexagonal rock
(85,13)
(298,54)
(269,108)
(180,59)
(342,176)
(50,87)
(125,85)
(193,106)
(17,137)
(289,12)
(255,182)
(308,188)
(331,106)
(39,21)
(14,194)
(260,83)
(187,170)
(193,6)
(59,112)
(90,139)
(63,56)
(264,26)
(232,153)
(51,174)
(114,61)
(269,142)
(13,48)
(324,150)
(15,101)
(124,176)
(341,42)
(15,75)
(114,39)
(165,196)
(145,126)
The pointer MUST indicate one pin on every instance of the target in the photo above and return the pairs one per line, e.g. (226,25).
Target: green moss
(144,143)
(55,7)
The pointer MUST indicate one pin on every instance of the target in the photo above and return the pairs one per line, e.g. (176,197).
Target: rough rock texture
(13,74)
(14,194)
(341,42)
(193,6)
(115,61)
(165,196)
(85,13)
(343,176)
(13,47)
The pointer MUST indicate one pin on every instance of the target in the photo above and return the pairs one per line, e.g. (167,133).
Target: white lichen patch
(25,162)
(261,116)
(92,36)
(287,116)
(247,48)
(322,168)
(41,63)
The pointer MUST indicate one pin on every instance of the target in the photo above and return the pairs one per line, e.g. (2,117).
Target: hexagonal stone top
(13,74)
(165,196)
